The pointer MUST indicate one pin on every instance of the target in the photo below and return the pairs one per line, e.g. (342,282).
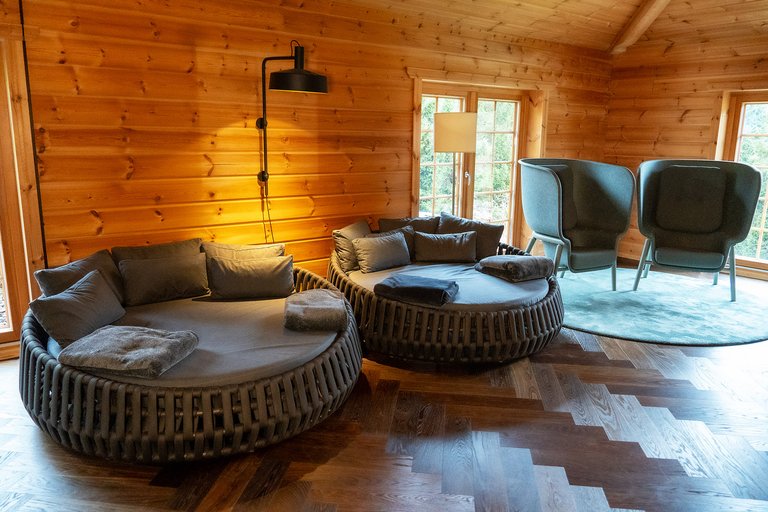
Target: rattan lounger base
(407,331)
(146,424)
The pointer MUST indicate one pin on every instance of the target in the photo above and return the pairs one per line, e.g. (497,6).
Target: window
(748,143)
(479,186)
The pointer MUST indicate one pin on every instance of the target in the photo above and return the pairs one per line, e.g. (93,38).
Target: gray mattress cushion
(477,291)
(240,341)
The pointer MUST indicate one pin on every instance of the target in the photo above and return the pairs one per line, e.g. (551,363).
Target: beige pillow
(243,252)
(342,239)
(488,235)
(56,280)
(449,247)
(255,278)
(79,310)
(161,279)
(381,252)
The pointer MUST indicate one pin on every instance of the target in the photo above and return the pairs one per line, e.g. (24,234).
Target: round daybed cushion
(491,328)
(477,291)
(140,420)
(238,340)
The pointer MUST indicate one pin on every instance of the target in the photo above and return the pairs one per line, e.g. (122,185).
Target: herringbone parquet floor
(590,424)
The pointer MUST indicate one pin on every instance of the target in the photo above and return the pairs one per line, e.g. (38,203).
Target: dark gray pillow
(79,310)
(407,232)
(342,239)
(449,247)
(516,268)
(256,278)
(129,350)
(56,280)
(243,252)
(155,251)
(161,279)
(423,224)
(382,252)
(488,235)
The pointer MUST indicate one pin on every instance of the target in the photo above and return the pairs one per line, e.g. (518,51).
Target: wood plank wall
(667,93)
(144,115)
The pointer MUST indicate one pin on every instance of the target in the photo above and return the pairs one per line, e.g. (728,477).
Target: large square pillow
(245,279)
(161,279)
(449,247)
(56,280)
(423,224)
(381,252)
(488,235)
(154,251)
(242,252)
(79,310)
(342,239)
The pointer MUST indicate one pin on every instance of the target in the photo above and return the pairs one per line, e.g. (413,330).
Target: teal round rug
(666,308)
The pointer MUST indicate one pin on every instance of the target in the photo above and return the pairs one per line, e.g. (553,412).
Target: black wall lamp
(297,79)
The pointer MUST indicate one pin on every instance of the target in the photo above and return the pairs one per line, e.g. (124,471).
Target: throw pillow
(407,232)
(167,250)
(516,268)
(56,280)
(449,247)
(342,239)
(488,235)
(244,279)
(243,252)
(382,252)
(79,310)
(423,224)
(161,279)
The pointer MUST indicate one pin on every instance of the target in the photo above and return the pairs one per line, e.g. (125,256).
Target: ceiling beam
(645,14)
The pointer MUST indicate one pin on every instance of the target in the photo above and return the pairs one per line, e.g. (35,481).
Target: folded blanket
(516,268)
(417,289)
(316,310)
(129,350)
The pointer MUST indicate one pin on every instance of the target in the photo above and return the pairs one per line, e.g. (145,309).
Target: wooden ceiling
(605,25)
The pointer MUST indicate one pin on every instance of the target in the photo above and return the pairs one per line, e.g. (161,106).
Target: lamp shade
(455,132)
(299,80)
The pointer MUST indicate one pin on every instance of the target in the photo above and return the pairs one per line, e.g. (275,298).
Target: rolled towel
(516,268)
(129,350)
(319,309)
(417,289)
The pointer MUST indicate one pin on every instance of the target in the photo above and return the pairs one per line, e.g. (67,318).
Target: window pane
(428,106)
(754,150)
(483,178)
(444,181)
(482,207)
(502,147)
(485,116)
(506,116)
(500,210)
(755,119)
(484,149)
(502,177)
(425,208)
(443,204)
(425,181)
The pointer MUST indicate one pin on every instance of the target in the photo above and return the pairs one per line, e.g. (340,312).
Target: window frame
(735,102)
(532,110)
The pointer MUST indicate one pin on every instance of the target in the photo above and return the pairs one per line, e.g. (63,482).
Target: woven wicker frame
(407,331)
(141,423)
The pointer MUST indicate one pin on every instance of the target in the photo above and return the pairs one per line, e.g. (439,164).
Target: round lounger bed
(193,417)
(492,332)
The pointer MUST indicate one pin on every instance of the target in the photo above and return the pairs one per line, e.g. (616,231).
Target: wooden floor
(590,424)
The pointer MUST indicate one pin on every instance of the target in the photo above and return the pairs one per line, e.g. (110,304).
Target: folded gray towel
(417,289)
(129,350)
(516,268)
(319,309)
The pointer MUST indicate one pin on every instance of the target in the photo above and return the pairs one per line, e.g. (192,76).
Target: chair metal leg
(732,264)
(714,278)
(562,274)
(558,253)
(531,243)
(613,276)
(642,265)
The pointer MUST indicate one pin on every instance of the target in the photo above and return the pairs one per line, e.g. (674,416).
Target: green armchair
(578,209)
(692,213)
